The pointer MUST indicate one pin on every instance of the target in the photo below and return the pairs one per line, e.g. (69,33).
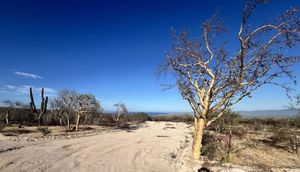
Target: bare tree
(85,105)
(39,114)
(212,79)
(10,106)
(57,110)
(121,110)
(64,105)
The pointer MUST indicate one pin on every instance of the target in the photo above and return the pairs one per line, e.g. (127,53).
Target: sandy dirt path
(146,149)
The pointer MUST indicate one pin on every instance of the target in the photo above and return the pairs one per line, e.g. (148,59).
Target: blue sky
(111,48)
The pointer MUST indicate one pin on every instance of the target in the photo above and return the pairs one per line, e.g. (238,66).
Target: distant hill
(247,114)
(168,113)
(269,113)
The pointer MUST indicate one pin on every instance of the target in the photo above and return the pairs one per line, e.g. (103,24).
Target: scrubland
(158,143)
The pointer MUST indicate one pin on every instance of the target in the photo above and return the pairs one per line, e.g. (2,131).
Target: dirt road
(154,147)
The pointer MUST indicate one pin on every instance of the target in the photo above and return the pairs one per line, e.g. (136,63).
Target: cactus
(43,108)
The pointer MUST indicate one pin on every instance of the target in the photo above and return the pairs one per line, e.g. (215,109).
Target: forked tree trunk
(77,122)
(198,135)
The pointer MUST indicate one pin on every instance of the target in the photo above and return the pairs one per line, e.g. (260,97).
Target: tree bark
(198,135)
(195,125)
(7,117)
(77,122)
(40,119)
(68,121)
(118,117)
(229,144)
(60,122)
(85,119)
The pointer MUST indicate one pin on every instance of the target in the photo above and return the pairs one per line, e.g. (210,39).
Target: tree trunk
(40,119)
(60,122)
(229,145)
(7,117)
(198,134)
(118,117)
(77,122)
(68,121)
(195,125)
(85,119)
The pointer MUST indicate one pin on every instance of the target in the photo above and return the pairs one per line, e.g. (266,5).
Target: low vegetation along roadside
(231,139)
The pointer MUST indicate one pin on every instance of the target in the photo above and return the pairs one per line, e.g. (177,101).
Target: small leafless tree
(10,106)
(44,102)
(64,105)
(85,104)
(56,110)
(212,79)
(121,110)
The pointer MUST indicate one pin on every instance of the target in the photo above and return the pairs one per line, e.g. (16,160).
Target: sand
(154,147)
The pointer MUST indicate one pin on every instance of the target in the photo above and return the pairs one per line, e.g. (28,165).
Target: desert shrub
(226,122)
(50,119)
(218,146)
(258,126)
(44,130)
(294,143)
(2,126)
(225,159)
(16,131)
(239,132)
(285,138)
(86,128)
(295,122)
(211,145)
(255,124)
(139,117)
(173,155)
(108,119)
(271,121)
(105,120)
(278,136)
(18,116)
(261,123)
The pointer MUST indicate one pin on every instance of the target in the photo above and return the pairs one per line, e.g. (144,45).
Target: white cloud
(28,75)
(24,89)
(48,90)
(10,86)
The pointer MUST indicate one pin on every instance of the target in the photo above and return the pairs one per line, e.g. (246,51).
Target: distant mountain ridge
(269,113)
(281,113)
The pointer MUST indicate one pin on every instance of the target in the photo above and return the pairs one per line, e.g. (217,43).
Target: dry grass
(254,150)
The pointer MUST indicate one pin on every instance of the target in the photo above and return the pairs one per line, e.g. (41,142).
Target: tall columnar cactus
(43,108)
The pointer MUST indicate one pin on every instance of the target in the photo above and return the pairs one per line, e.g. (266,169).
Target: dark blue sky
(111,48)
